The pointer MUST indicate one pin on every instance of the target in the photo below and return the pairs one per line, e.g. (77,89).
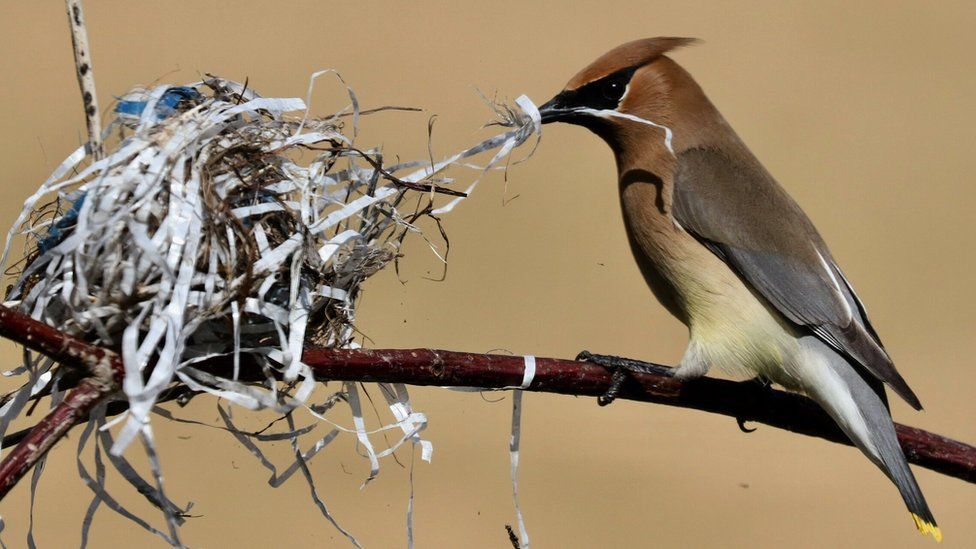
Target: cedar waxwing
(730,254)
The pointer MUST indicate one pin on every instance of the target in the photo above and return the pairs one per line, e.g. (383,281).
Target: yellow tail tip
(926,527)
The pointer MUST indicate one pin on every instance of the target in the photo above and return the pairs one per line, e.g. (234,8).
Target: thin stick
(104,369)
(181,393)
(86,76)
(744,401)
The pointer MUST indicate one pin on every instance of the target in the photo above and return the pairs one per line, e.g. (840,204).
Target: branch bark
(745,401)
(742,400)
(103,370)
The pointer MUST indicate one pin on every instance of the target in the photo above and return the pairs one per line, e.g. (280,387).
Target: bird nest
(225,224)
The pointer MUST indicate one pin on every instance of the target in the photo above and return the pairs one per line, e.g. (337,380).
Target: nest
(223,223)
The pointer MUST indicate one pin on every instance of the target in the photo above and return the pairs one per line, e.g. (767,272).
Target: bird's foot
(762,384)
(622,368)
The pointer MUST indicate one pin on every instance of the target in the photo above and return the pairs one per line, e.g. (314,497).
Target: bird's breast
(674,263)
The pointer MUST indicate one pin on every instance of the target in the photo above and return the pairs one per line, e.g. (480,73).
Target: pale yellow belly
(730,327)
(734,331)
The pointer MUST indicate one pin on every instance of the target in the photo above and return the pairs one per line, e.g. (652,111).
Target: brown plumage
(730,254)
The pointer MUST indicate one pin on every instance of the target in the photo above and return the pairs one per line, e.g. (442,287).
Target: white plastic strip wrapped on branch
(201,234)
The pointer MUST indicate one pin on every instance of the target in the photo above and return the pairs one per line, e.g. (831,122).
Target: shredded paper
(225,224)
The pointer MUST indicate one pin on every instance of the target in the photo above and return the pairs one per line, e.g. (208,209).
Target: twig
(512,538)
(745,401)
(86,75)
(380,109)
(180,393)
(424,187)
(105,373)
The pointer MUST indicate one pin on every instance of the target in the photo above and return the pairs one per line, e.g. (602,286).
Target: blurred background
(864,112)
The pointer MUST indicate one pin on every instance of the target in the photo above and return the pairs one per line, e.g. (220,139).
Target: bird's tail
(859,410)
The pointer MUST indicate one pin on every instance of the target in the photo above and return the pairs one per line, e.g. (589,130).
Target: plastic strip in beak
(530,124)
(608,113)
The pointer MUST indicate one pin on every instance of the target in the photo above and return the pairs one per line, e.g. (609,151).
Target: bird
(729,253)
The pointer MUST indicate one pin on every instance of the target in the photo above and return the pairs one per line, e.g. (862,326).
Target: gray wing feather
(737,210)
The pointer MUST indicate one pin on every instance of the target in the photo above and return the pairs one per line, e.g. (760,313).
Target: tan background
(863,110)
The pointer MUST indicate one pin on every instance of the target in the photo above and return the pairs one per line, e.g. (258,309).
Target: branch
(745,401)
(104,372)
(86,75)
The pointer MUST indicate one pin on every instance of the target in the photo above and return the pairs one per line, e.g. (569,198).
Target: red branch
(744,401)
(102,368)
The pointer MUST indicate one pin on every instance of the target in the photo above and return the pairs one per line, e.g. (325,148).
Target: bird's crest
(631,54)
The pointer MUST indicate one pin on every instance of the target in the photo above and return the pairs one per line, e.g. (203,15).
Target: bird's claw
(584,356)
(622,368)
(616,382)
(762,384)
(741,422)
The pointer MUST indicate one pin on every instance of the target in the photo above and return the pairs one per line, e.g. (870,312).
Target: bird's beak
(555,110)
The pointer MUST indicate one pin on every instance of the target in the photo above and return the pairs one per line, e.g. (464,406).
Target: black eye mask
(601,94)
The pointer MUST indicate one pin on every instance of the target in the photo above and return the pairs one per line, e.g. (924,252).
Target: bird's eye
(602,94)
(613,90)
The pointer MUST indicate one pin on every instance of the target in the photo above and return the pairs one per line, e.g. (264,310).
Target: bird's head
(629,84)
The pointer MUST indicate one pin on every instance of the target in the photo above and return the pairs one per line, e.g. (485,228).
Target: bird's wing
(737,210)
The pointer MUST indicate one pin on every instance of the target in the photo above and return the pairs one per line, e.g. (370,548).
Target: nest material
(203,233)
